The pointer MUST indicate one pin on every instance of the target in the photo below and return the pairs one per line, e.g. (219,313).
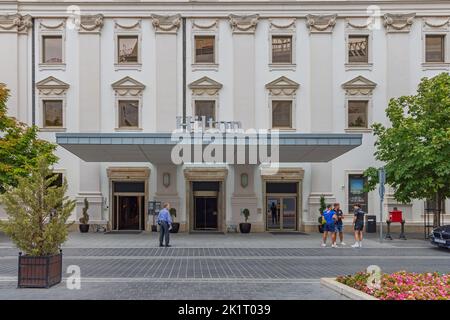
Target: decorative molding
(128,173)
(59,26)
(277,26)
(243,23)
(277,174)
(135,26)
(282,86)
(398,22)
(352,24)
(436,24)
(359,86)
(205,174)
(128,86)
(321,23)
(52,86)
(212,26)
(167,23)
(15,23)
(205,86)
(91,23)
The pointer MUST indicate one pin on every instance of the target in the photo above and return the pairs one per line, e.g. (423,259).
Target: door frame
(128,174)
(205,194)
(218,174)
(283,175)
(282,196)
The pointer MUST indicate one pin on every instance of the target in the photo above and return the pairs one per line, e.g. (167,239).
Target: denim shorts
(329,227)
(339,227)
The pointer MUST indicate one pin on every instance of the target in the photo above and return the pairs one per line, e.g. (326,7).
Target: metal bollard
(388,233)
(402,233)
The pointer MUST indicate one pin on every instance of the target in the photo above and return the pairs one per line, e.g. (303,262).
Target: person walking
(165,225)
(339,223)
(358,221)
(329,227)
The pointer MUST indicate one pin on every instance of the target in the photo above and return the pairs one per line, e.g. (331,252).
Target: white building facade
(92,73)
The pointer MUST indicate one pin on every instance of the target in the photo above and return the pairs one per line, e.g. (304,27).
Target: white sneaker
(356,245)
(334,245)
(324,244)
(360,244)
(343,244)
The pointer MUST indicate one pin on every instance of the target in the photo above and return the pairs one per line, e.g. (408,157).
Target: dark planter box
(39,272)
(154,228)
(84,228)
(245,227)
(320,228)
(175,227)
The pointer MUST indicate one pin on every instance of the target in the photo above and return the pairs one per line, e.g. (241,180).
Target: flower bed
(402,285)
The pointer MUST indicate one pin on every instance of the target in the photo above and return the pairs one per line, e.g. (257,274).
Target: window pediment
(205,85)
(359,86)
(51,85)
(128,86)
(282,86)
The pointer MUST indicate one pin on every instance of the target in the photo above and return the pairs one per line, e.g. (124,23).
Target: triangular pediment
(282,83)
(205,83)
(359,83)
(128,83)
(52,83)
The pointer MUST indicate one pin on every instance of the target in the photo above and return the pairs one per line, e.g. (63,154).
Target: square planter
(39,272)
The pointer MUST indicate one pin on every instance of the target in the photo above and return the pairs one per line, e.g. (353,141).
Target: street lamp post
(382,181)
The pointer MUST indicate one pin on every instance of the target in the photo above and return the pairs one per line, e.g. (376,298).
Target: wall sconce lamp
(244,180)
(166,179)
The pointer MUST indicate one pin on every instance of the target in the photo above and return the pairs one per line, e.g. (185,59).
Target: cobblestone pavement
(264,266)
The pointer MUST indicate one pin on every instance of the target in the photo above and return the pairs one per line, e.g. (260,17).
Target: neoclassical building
(110,81)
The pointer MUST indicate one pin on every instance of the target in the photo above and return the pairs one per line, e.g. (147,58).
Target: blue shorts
(329,227)
(339,227)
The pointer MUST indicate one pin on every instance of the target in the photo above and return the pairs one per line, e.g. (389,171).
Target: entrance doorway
(128,205)
(281,204)
(205,210)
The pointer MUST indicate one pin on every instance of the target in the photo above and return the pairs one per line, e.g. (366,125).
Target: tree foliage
(416,148)
(19,146)
(37,212)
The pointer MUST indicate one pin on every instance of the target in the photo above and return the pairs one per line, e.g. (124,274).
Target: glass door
(281,212)
(205,211)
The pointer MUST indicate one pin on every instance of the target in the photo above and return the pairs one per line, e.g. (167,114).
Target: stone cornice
(243,23)
(321,23)
(398,22)
(91,23)
(15,23)
(166,23)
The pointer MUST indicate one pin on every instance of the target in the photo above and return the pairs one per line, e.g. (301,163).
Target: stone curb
(345,290)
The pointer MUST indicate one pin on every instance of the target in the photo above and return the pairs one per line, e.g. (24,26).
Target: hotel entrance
(281,205)
(128,205)
(206,201)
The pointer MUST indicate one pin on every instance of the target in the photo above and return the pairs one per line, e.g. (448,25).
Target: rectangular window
(434,48)
(204,49)
(59,179)
(356,194)
(357,114)
(206,108)
(358,49)
(282,49)
(127,49)
(282,114)
(53,113)
(52,51)
(128,114)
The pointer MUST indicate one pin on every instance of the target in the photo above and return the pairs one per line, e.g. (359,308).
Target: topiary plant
(322,208)
(246,214)
(85,217)
(173,212)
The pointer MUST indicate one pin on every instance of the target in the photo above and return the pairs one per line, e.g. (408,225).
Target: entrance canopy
(157,147)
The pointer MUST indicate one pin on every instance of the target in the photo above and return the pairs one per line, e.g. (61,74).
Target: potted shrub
(37,224)
(322,208)
(175,225)
(245,227)
(84,220)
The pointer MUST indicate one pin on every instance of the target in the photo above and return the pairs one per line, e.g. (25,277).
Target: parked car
(441,236)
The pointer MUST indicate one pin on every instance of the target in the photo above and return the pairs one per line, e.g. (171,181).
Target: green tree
(19,146)
(37,212)
(415,149)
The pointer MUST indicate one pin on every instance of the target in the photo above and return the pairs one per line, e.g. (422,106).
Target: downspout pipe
(33,73)
(184,69)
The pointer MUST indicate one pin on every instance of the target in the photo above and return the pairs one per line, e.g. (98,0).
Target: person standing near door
(358,221)
(165,224)
(339,222)
(273,210)
(329,227)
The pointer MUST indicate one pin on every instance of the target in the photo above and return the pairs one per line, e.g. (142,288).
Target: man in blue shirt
(330,226)
(165,224)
